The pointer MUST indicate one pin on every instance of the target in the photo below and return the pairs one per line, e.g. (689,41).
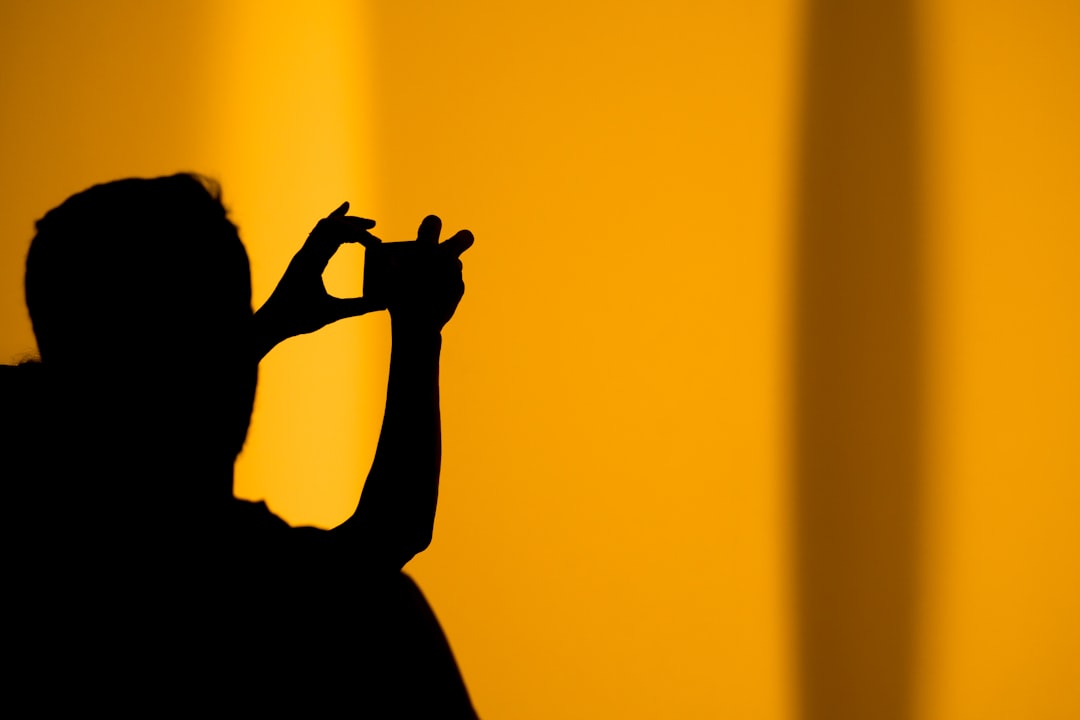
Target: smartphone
(387,269)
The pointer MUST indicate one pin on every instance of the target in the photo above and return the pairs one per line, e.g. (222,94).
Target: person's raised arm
(396,511)
(394,517)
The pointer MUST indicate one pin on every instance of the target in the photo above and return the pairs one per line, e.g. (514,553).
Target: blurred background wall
(763,397)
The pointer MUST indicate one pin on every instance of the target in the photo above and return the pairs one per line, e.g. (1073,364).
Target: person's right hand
(300,303)
(434,287)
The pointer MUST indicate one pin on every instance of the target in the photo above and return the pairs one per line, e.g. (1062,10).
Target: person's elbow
(408,546)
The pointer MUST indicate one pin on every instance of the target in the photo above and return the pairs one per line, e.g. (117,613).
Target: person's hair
(140,290)
(126,265)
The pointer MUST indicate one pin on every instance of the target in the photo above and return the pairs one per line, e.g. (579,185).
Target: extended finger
(342,209)
(429,231)
(361,226)
(459,243)
(339,230)
(330,234)
(358,221)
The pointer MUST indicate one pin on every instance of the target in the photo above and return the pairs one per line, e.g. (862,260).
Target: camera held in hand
(392,270)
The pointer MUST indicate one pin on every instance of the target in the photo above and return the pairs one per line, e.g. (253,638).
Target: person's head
(139,292)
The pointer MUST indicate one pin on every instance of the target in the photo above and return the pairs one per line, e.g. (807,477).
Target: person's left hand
(431,286)
(300,303)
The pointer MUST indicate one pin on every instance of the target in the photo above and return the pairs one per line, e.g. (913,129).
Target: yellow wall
(619,507)
(611,535)
(1002,635)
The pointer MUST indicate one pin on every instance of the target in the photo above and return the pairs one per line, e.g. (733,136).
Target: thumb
(341,308)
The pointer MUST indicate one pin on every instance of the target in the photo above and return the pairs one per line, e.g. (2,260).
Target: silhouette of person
(140,298)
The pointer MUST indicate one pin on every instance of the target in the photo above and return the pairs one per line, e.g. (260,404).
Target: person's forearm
(265,335)
(396,512)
